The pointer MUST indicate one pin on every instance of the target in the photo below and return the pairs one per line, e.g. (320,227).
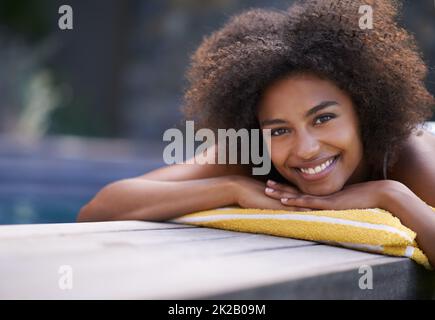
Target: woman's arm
(140,199)
(389,195)
(175,190)
(166,192)
(409,199)
(414,213)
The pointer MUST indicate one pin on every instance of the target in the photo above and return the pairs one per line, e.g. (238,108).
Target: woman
(344,106)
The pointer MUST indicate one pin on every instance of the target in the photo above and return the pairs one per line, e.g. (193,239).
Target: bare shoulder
(416,166)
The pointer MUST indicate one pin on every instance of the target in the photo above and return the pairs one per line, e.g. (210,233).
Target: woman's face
(315,142)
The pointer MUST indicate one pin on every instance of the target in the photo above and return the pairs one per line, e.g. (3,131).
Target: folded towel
(372,230)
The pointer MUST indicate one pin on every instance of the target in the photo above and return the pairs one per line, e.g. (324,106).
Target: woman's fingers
(275,194)
(282,187)
(294,199)
(279,194)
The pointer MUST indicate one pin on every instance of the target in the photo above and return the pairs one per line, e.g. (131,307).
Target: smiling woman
(316,143)
(344,106)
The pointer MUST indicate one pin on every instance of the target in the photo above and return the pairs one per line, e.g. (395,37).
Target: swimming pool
(50,210)
(24,202)
(52,190)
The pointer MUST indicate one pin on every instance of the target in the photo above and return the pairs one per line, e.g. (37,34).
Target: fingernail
(269,190)
(284,199)
(271,182)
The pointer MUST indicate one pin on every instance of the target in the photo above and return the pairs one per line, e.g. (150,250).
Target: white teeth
(318,168)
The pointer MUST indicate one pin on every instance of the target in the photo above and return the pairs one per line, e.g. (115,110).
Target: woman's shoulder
(416,156)
(415,166)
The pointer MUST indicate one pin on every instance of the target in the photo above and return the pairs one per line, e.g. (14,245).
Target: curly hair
(381,69)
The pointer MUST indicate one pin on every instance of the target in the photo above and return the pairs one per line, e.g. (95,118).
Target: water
(25,210)
(40,188)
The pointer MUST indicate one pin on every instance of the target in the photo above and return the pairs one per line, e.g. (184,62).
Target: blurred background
(84,107)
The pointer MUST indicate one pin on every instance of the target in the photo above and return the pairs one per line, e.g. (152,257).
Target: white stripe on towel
(361,246)
(296,217)
(409,251)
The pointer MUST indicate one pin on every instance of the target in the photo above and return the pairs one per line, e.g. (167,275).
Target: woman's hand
(250,193)
(356,196)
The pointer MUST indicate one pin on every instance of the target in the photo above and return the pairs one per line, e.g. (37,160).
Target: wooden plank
(34,230)
(181,242)
(400,279)
(165,264)
(121,272)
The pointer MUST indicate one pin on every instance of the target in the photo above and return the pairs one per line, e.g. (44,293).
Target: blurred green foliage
(29,18)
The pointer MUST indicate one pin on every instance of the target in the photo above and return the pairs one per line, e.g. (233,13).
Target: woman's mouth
(318,172)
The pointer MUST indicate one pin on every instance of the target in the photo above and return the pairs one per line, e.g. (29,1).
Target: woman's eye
(278,132)
(323,119)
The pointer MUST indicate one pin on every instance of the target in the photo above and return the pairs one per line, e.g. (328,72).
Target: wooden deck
(146,260)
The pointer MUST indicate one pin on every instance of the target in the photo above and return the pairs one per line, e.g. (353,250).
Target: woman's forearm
(140,199)
(416,215)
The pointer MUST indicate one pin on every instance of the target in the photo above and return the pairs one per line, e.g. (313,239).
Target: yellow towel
(372,230)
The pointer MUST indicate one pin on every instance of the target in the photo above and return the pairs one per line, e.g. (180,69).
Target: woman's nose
(306,146)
